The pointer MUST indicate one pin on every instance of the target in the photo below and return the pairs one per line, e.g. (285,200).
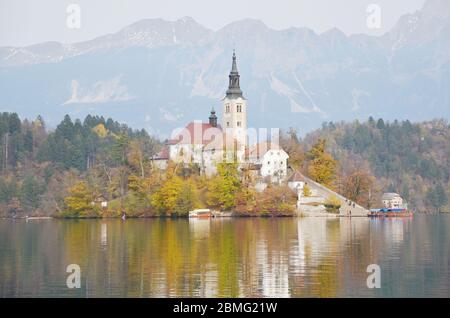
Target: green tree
(30,192)
(187,199)
(437,197)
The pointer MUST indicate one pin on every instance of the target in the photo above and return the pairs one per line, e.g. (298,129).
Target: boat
(38,217)
(201,213)
(391,213)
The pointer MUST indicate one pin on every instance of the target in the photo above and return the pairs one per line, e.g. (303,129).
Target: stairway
(346,209)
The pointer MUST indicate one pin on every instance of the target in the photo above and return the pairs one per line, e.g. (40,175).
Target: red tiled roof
(223,141)
(162,155)
(259,150)
(196,133)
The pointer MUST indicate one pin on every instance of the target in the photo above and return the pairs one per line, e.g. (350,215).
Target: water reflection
(309,257)
(104,234)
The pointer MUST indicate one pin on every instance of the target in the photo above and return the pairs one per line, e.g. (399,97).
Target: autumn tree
(306,191)
(187,199)
(276,201)
(224,187)
(321,165)
(174,197)
(357,186)
(79,201)
(291,144)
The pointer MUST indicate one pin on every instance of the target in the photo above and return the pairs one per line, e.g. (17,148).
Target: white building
(271,158)
(392,200)
(296,182)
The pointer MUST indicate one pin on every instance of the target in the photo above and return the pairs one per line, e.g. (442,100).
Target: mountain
(159,74)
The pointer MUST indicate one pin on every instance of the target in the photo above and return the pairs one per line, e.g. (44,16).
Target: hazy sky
(25,22)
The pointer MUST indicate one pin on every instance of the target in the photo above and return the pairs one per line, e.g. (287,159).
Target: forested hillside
(412,159)
(71,170)
(39,167)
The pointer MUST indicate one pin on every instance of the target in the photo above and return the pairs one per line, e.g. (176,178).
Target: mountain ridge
(161,74)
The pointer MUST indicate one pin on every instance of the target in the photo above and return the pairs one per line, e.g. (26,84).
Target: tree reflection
(308,257)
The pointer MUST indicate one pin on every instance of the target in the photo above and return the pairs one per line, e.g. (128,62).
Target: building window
(239,124)
(228,124)
(239,108)
(227,108)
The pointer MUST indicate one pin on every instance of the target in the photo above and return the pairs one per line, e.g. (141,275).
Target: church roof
(389,196)
(223,141)
(196,133)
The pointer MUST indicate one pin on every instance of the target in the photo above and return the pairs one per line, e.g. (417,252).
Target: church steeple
(234,89)
(234,117)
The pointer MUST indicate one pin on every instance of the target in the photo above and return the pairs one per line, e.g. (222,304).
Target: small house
(392,200)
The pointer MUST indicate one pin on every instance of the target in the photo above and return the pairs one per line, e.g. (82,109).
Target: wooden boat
(201,214)
(390,213)
(38,218)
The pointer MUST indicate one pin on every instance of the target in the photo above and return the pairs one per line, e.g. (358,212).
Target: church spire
(234,89)
(234,66)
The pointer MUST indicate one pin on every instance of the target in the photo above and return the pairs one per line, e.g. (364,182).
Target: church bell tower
(234,119)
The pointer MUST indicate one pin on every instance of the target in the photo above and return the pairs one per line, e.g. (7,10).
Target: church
(208,143)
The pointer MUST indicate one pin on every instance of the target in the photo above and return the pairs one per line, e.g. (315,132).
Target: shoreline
(212,218)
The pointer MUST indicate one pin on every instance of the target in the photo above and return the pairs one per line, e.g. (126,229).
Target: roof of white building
(259,150)
(390,196)
(296,177)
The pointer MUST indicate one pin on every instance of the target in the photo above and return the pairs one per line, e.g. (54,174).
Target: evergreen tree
(30,192)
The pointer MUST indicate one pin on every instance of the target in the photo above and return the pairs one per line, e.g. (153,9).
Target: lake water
(305,257)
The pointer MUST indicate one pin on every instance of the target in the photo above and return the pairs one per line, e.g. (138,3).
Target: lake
(292,257)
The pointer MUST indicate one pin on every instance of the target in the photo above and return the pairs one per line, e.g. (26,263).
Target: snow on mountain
(159,74)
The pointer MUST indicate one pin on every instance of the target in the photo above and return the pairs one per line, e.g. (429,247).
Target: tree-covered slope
(412,159)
